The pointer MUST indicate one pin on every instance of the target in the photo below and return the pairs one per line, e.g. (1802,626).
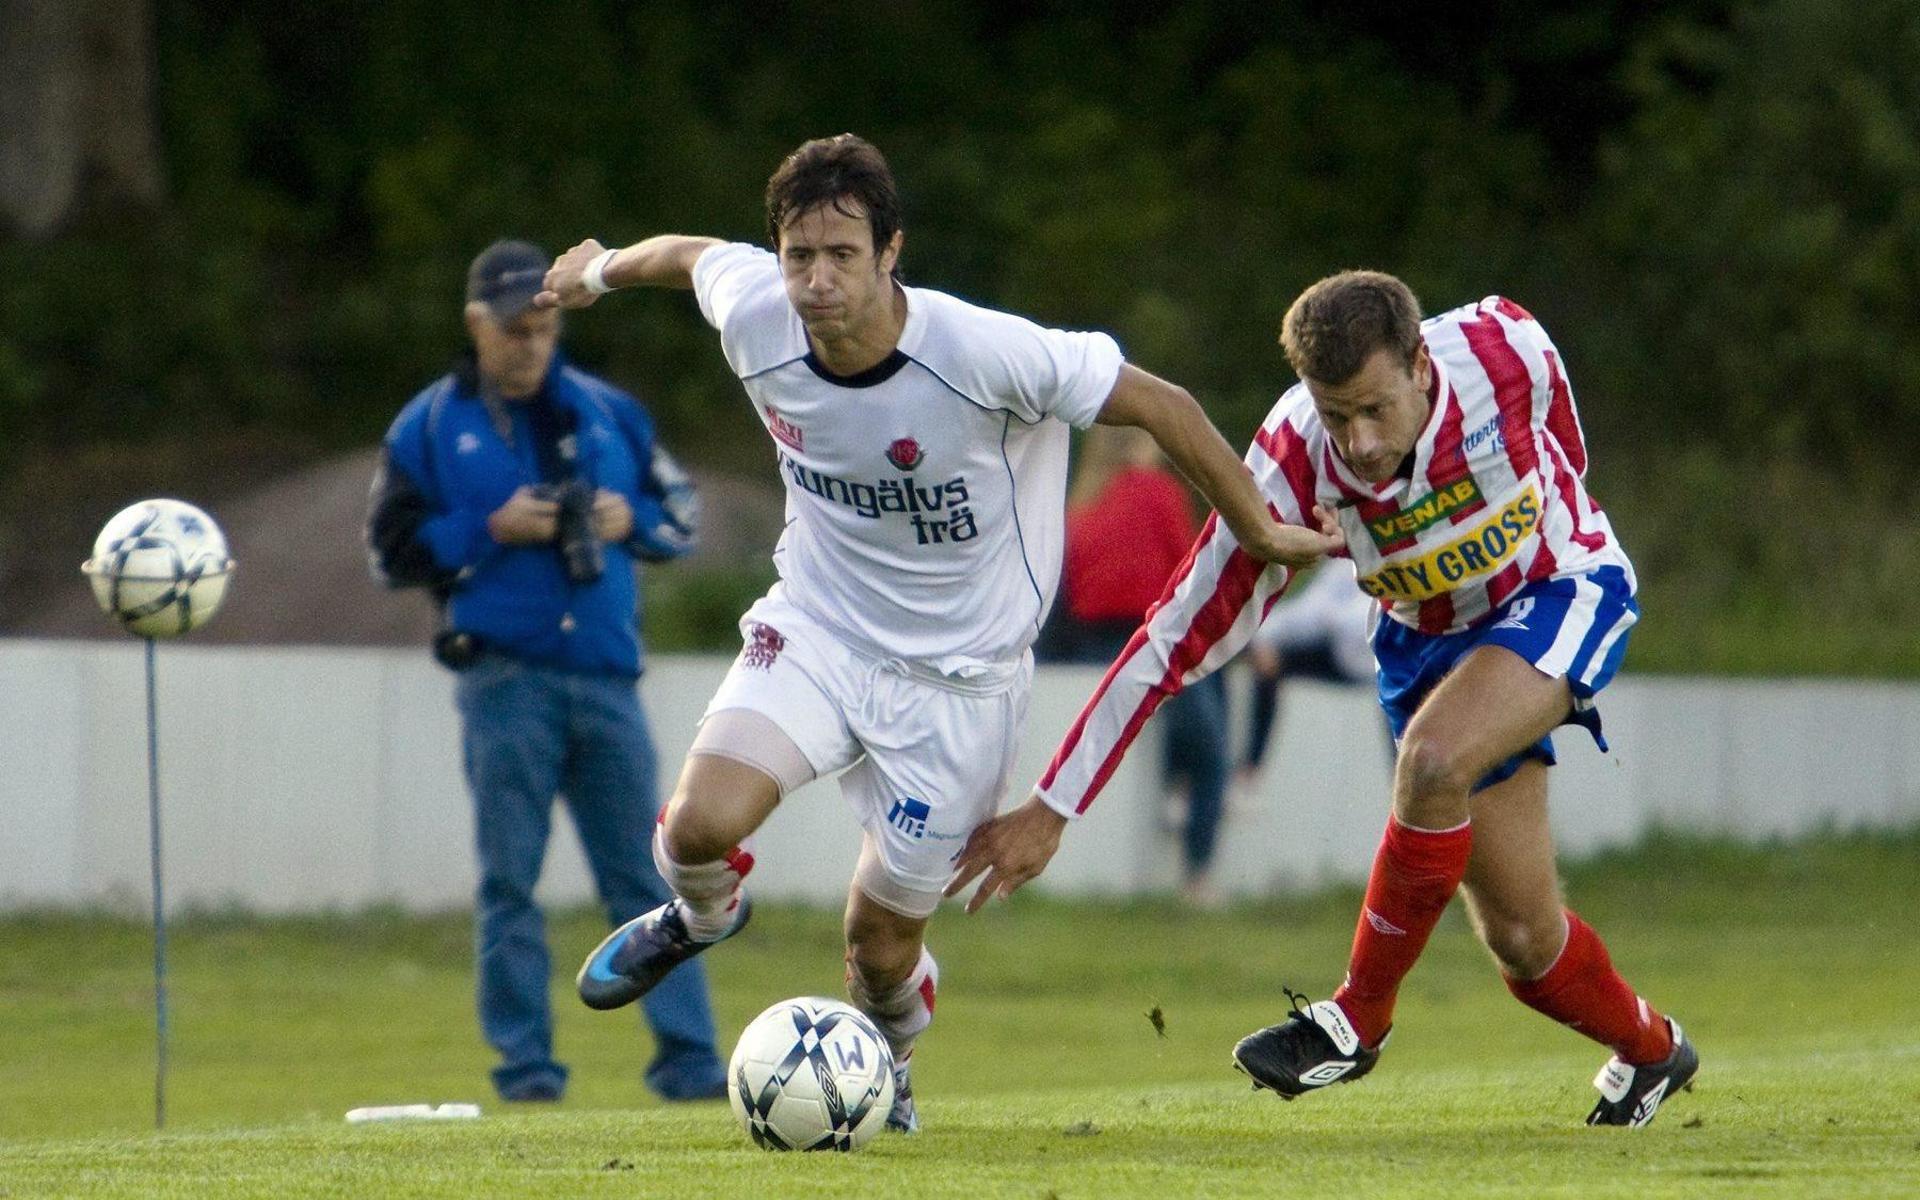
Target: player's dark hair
(843,171)
(1337,324)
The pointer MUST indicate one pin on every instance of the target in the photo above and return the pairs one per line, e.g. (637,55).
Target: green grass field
(1795,968)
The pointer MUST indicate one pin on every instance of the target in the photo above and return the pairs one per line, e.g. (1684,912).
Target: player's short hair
(1337,324)
(834,171)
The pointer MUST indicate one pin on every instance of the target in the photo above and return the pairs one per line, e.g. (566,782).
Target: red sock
(1582,991)
(1415,873)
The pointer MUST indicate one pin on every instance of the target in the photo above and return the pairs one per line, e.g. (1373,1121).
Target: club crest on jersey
(905,454)
(785,431)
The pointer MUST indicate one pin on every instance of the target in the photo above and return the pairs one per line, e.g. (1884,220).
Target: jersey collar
(911,332)
(878,373)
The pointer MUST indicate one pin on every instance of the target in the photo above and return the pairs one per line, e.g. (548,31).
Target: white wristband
(594,278)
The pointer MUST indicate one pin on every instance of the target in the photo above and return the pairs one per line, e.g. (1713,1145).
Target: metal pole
(159,905)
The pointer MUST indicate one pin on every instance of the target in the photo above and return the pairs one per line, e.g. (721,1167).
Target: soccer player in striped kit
(1452,455)
(922,442)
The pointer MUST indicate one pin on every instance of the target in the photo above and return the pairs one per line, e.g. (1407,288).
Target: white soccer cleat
(904,1118)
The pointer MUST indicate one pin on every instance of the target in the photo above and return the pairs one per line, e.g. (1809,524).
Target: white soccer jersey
(925,496)
(1494,501)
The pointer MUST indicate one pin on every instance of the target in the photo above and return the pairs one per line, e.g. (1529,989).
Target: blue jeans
(529,733)
(1196,750)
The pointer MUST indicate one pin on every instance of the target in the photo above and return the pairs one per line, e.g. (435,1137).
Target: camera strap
(555,432)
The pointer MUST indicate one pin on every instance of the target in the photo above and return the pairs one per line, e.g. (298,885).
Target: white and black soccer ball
(160,568)
(811,1074)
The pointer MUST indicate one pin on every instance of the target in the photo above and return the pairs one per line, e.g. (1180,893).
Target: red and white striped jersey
(1494,501)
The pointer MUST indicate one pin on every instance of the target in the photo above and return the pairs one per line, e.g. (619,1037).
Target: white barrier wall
(298,779)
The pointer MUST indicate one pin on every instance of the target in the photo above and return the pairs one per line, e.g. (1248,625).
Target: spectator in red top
(1129,526)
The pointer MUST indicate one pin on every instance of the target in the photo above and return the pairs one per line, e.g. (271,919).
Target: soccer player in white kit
(922,442)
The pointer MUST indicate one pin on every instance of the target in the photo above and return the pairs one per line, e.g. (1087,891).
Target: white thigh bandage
(753,738)
(871,878)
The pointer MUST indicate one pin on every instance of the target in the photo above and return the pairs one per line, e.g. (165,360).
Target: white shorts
(927,756)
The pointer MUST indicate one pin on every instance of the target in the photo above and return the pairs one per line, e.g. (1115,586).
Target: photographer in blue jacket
(521,491)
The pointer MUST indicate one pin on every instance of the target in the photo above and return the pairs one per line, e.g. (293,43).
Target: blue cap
(506,276)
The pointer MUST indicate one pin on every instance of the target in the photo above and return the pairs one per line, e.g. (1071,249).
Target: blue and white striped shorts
(1573,628)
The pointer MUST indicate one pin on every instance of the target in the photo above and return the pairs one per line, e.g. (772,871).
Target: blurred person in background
(1129,526)
(1452,452)
(522,490)
(922,442)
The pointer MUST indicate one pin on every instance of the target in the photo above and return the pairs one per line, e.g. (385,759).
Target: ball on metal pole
(160,568)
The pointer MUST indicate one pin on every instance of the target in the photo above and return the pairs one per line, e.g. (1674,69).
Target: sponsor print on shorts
(764,644)
(909,816)
(1481,551)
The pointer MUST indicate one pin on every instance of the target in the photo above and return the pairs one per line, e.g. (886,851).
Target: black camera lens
(579,546)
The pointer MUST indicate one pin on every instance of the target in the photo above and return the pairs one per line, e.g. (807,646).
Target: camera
(456,650)
(579,546)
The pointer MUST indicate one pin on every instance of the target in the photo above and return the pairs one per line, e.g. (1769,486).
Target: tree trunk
(77,110)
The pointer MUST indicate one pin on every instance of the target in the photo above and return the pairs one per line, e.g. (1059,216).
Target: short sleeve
(1005,361)
(725,275)
(741,294)
(1077,376)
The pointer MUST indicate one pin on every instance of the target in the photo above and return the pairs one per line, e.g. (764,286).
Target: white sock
(903,1011)
(711,890)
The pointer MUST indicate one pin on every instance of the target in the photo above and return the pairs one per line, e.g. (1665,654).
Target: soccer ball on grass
(811,1074)
(160,568)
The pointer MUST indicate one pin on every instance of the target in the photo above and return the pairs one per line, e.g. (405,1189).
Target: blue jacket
(445,468)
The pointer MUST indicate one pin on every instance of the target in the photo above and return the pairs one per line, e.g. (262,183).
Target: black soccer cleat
(1312,1048)
(638,955)
(1631,1095)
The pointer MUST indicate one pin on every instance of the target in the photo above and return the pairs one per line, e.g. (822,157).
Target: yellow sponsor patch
(1484,549)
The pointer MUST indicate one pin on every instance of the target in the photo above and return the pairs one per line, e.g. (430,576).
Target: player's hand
(612,516)
(1297,545)
(524,520)
(562,287)
(1011,848)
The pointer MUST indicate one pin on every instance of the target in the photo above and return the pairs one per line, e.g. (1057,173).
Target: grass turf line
(1793,967)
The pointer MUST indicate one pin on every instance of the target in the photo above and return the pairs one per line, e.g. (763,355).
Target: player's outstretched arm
(665,260)
(1177,422)
(1010,848)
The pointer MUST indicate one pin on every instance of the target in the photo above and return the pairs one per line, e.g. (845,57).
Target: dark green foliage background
(1715,207)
